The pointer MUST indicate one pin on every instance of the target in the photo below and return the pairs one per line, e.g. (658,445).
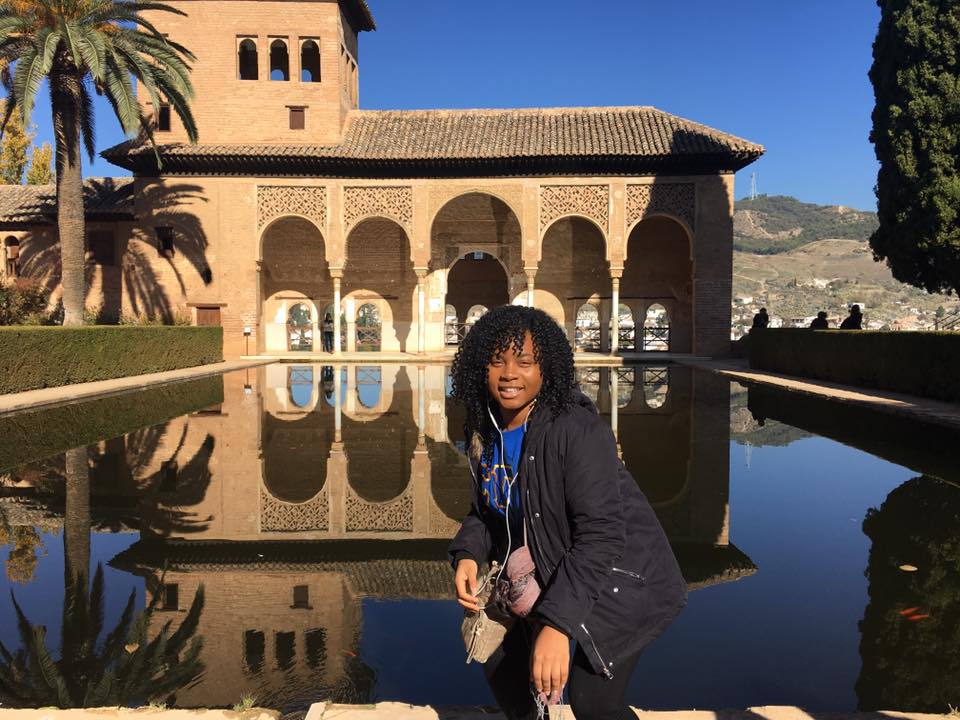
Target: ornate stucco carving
(440,524)
(391,201)
(279,516)
(275,201)
(393,516)
(677,199)
(592,201)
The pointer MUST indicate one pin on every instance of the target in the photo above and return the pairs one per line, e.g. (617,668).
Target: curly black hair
(503,327)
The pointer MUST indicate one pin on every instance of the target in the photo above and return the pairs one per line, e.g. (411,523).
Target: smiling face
(514,381)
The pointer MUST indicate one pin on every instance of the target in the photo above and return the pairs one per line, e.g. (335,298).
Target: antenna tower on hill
(753,186)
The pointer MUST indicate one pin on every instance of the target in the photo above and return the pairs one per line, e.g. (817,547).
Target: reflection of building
(323,486)
(400,219)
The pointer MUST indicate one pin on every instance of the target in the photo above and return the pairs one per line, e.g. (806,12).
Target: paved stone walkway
(35,399)
(924,409)
(402,711)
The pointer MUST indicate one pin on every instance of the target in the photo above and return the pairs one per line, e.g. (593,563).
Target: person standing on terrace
(548,486)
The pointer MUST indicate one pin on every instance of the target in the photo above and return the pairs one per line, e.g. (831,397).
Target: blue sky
(789,75)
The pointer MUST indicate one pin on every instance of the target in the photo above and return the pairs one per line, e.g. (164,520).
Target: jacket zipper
(606,671)
(629,573)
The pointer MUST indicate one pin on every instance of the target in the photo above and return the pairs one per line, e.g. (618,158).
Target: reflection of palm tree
(911,626)
(76,518)
(125,668)
(192,481)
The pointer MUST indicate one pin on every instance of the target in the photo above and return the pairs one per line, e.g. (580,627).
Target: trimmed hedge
(918,363)
(38,435)
(39,357)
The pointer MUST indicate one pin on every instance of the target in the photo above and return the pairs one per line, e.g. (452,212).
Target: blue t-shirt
(495,474)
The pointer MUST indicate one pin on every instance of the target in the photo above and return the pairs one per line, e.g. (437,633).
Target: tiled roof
(363,11)
(611,139)
(104,198)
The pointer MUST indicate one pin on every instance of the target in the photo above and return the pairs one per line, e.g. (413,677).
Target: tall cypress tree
(916,135)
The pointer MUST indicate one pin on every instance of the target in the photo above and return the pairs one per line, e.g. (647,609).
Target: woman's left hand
(550,661)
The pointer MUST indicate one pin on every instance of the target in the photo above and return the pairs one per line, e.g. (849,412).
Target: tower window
(247,67)
(163,118)
(170,599)
(298,120)
(309,61)
(165,242)
(301,597)
(279,61)
(102,247)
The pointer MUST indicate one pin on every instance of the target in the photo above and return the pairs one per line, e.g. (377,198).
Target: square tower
(266,71)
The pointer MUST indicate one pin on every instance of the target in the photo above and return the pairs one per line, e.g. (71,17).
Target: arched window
(368,327)
(247,66)
(451,329)
(588,328)
(656,385)
(626,339)
(279,61)
(309,61)
(369,385)
(300,385)
(474,314)
(300,328)
(626,380)
(588,378)
(656,329)
(11,256)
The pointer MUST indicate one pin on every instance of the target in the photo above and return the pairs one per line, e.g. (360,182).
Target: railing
(588,337)
(454,332)
(368,338)
(949,322)
(627,337)
(656,339)
(300,337)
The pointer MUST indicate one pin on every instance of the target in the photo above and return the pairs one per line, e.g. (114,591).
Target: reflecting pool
(313,505)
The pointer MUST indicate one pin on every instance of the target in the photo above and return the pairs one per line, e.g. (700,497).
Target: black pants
(592,696)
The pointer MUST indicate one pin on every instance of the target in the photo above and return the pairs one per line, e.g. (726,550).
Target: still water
(313,505)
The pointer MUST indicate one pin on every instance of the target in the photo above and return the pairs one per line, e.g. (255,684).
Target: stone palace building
(296,202)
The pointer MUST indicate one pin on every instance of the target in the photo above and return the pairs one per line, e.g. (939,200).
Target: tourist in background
(853,321)
(328,333)
(549,492)
(820,322)
(761,319)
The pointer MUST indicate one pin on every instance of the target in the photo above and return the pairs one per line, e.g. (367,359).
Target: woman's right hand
(465,580)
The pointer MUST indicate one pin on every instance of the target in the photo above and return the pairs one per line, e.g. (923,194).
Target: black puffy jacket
(609,577)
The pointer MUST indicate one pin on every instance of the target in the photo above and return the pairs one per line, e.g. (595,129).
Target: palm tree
(80,47)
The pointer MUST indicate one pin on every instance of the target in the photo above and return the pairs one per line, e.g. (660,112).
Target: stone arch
(656,327)
(478,225)
(476,281)
(379,450)
(293,267)
(310,61)
(668,216)
(512,205)
(294,467)
(573,266)
(247,64)
(658,268)
(378,269)
(587,327)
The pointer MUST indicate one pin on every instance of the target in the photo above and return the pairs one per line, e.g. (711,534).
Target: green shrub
(39,357)
(28,437)
(23,302)
(918,363)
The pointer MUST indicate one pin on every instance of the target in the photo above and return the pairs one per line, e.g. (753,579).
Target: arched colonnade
(411,274)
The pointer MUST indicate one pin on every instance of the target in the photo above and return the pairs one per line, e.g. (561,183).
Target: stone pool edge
(919,408)
(30,400)
(403,711)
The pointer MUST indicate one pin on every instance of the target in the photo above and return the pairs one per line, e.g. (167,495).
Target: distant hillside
(772,224)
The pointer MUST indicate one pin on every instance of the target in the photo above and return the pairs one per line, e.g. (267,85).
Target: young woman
(545,468)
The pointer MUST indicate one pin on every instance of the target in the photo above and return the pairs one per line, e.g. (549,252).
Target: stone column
(421,310)
(421,404)
(338,403)
(336,312)
(531,274)
(615,274)
(351,313)
(615,403)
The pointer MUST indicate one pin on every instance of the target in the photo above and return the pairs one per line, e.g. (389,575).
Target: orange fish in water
(909,611)
(918,617)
